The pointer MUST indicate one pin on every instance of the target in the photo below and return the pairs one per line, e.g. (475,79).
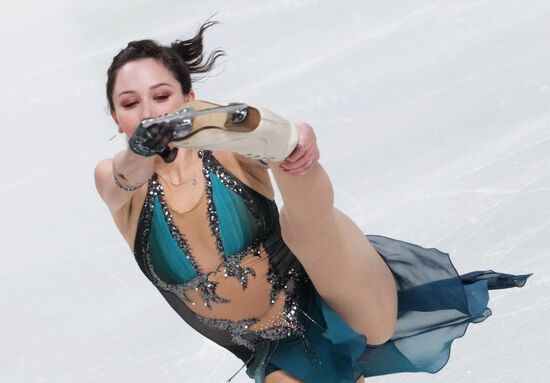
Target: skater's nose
(148,110)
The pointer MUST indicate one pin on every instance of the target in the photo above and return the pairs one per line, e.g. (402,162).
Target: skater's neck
(186,161)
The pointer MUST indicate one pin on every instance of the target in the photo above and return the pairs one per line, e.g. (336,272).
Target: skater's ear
(190,96)
(113,114)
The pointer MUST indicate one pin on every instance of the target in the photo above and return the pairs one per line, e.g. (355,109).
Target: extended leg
(281,376)
(345,268)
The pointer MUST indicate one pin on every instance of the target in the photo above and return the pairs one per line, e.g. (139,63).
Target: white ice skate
(253,132)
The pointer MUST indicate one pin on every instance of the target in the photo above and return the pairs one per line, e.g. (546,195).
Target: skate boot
(252,132)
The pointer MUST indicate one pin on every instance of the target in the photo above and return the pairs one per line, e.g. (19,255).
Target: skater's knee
(376,340)
(379,332)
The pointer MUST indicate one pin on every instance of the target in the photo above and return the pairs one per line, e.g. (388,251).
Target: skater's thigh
(281,376)
(348,273)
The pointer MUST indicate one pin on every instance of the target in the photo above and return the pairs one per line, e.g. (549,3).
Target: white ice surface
(433,122)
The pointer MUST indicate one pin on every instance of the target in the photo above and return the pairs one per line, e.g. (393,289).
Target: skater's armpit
(251,172)
(117,200)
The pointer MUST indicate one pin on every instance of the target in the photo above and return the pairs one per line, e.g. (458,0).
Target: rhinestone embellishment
(284,324)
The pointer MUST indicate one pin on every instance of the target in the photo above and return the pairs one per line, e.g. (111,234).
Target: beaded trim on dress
(284,327)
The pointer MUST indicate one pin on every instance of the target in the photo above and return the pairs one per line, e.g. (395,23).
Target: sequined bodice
(224,268)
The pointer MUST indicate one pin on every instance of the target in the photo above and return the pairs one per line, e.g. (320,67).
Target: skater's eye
(162,97)
(130,105)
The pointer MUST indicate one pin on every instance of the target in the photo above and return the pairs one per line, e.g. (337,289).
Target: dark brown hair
(182,58)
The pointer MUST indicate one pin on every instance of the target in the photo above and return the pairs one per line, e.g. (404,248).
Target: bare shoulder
(119,202)
(251,172)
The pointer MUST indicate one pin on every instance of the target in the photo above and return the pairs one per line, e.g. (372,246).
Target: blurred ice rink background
(433,118)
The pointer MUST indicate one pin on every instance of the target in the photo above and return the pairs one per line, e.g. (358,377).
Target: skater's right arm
(131,169)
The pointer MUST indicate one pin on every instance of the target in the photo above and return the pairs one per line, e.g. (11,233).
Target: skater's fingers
(154,129)
(163,137)
(311,160)
(167,131)
(159,128)
(298,166)
(173,154)
(306,141)
(296,154)
(305,166)
(165,127)
(152,135)
(161,142)
(299,161)
(169,155)
(305,153)
(165,153)
(302,171)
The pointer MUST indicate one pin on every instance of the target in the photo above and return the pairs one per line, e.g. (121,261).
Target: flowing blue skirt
(435,306)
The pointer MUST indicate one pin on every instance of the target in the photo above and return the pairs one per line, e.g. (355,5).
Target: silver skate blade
(182,120)
(189,112)
(235,108)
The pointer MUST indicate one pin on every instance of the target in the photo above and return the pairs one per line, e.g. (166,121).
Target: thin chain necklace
(192,180)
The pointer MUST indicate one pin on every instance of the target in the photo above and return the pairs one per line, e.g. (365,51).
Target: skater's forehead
(144,74)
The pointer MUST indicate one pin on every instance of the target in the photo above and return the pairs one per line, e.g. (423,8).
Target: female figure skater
(300,295)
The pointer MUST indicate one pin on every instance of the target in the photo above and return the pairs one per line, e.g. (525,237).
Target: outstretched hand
(154,140)
(306,152)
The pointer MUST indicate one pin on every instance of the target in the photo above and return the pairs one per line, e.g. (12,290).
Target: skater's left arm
(306,153)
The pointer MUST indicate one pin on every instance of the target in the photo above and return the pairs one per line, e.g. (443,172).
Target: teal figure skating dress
(224,268)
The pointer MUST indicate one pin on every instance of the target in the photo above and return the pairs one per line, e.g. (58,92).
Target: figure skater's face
(145,88)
